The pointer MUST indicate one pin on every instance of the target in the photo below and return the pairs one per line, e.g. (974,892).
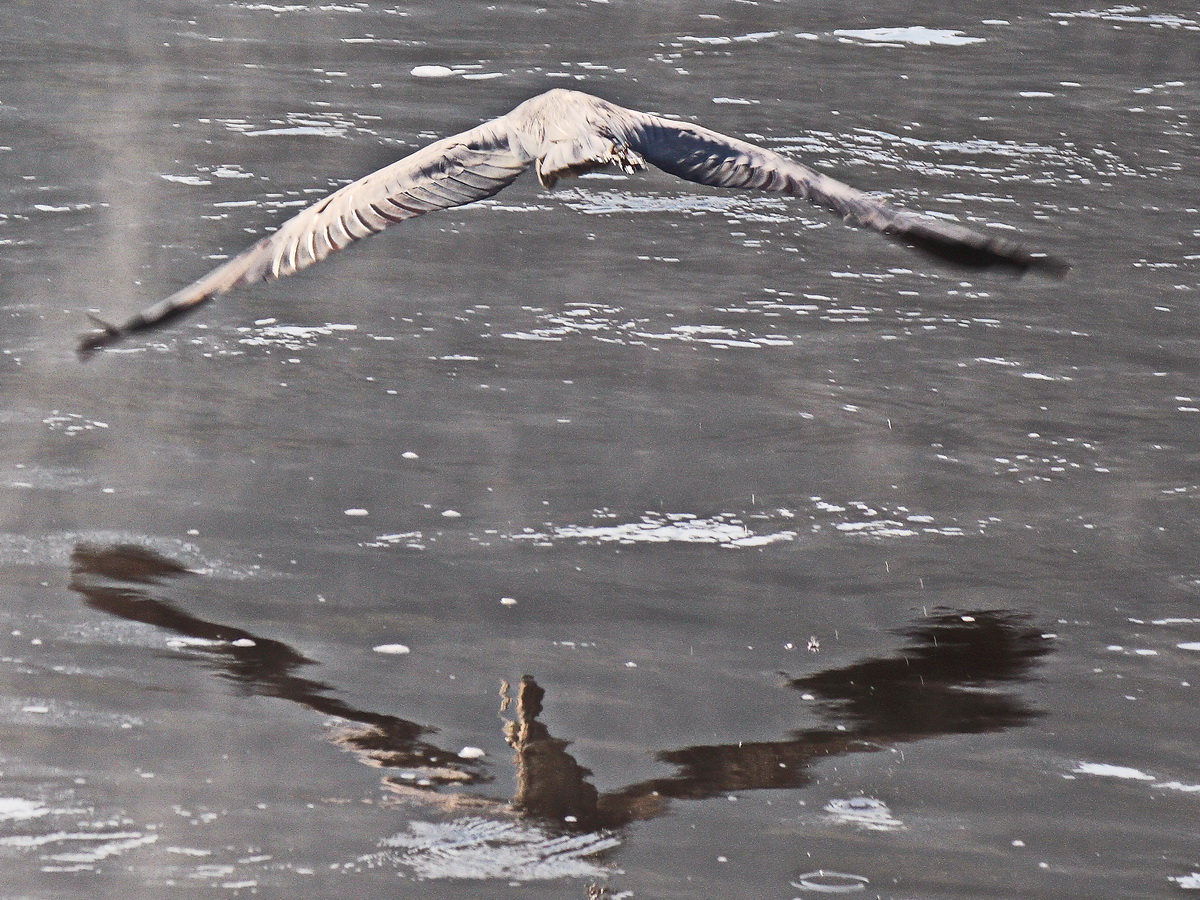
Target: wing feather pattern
(452,172)
(566,133)
(707,157)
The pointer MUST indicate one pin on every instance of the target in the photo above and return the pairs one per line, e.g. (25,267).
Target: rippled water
(631,539)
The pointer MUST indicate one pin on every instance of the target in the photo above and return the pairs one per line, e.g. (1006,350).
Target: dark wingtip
(970,250)
(93,342)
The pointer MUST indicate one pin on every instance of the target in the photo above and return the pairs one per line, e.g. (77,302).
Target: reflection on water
(674,427)
(943,683)
(118,580)
(948,680)
(933,687)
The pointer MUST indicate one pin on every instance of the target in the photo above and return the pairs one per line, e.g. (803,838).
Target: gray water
(632,539)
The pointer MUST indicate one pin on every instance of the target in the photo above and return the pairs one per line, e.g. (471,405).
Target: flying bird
(562,133)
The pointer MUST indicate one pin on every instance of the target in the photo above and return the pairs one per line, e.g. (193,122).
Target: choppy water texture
(627,540)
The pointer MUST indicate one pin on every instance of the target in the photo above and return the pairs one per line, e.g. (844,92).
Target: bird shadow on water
(949,679)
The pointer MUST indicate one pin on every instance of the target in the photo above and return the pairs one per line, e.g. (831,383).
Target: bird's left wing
(451,172)
(708,157)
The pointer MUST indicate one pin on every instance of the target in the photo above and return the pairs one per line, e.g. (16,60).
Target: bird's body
(561,133)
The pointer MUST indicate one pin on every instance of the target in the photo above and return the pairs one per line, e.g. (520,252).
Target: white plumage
(562,133)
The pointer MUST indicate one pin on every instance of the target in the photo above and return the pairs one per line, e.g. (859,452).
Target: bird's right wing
(451,172)
(708,157)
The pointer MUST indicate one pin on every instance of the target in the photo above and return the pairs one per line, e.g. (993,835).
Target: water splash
(865,813)
(478,848)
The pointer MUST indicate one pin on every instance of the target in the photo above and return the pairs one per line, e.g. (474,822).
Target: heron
(563,133)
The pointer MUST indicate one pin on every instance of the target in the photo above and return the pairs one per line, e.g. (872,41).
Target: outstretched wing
(708,157)
(567,132)
(451,172)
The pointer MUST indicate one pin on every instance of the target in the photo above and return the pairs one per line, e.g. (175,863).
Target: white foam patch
(291,337)
(231,170)
(654,528)
(17,809)
(917,35)
(195,180)
(717,336)
(748,529)
(1042,376)
(179,643)
(614,325)
(311,130)
(111,843)
(1179,786)
(479,849)
(393,649)
(71,423)
(877,528)
(273,7)
(722,40)
(872,521)
(414,540)
(115,846)
(1109,771)
(1129,13)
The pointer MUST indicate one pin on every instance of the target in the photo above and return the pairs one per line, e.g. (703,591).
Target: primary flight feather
(561,133)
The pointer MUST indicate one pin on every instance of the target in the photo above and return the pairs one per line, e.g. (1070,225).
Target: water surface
(633,537)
